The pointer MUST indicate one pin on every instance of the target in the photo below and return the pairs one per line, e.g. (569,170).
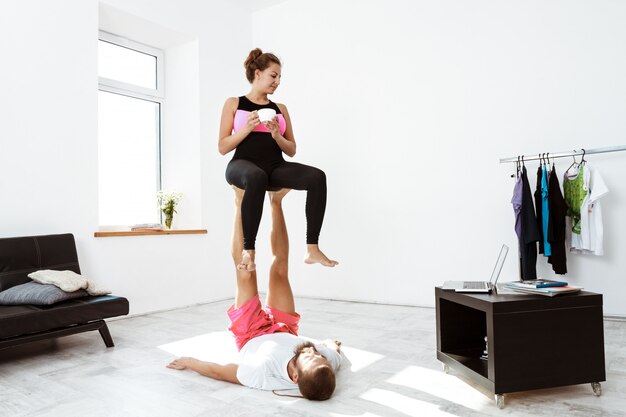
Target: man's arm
(226,373)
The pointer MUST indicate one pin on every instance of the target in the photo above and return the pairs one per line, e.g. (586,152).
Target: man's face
(307,357)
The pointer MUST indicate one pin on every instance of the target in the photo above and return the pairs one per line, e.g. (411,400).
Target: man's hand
(333,344)
(180,363)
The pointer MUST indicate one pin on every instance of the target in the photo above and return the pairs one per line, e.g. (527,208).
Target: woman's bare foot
(247,261)
(276,197)
(316,256)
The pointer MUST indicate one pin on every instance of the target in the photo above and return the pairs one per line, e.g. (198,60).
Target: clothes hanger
(573,163)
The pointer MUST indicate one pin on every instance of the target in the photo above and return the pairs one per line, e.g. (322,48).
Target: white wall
(48,138)
(419,101)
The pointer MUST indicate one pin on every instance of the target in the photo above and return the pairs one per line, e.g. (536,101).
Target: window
(130,100)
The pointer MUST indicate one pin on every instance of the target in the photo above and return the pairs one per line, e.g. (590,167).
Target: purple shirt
(517,207)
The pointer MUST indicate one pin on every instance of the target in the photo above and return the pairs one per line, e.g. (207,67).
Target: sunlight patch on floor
(441,385)
(359,359)
(402,404)
(218,347)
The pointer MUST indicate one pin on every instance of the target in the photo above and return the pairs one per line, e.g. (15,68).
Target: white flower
(168,200)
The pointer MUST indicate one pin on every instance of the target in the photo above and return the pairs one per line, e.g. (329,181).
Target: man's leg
(246,290)
(279,295)
(246,280)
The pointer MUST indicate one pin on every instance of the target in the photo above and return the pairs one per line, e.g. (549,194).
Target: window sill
(151,232)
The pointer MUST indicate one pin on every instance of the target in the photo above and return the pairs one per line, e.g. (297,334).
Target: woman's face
(268,80)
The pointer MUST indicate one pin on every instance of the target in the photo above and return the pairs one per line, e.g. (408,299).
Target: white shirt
(264,360)
(590,239)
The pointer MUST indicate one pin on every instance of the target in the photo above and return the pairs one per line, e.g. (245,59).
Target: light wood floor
(392,371)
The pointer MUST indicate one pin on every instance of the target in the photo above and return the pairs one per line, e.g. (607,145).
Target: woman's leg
(253,180)
(303,177)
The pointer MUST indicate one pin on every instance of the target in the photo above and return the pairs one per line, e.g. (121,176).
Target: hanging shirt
(538,206)
(575,186)
(556,227)
(591,236)
(545,211)
(516,201)
(525,226)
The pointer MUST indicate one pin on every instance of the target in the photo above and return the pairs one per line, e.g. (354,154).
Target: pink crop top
(241,116)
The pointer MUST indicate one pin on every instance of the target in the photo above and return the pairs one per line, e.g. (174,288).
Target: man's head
(314,375)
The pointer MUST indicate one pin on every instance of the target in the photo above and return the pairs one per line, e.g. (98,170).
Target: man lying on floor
(273,357)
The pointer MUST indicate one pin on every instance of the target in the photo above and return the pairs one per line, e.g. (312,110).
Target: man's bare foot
(316,256)
(247,261)
(277,196)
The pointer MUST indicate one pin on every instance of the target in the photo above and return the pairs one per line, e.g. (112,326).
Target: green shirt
(575,193)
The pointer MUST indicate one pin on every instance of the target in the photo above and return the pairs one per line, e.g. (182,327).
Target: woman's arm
(286,142)
(226,373)
(229,140)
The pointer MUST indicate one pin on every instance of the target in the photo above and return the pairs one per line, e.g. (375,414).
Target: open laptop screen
(495,274)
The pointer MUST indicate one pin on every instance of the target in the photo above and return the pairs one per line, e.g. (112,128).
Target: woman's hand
(252,121)
(274,127)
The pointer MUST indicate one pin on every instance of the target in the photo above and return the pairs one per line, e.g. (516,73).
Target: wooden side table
(532,341)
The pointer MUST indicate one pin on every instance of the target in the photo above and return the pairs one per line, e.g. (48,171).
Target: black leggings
(255,181)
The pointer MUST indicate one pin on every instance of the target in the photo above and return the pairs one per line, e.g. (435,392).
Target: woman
(258,163)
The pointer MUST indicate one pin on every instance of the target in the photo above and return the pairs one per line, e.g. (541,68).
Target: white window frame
(156,95)
(119,87)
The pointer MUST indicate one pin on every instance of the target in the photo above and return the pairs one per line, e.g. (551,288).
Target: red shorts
(250,321)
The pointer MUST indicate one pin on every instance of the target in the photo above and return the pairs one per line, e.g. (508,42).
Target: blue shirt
(545,212)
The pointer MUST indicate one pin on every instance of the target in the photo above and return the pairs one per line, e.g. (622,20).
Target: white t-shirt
(264,360)
(590,239)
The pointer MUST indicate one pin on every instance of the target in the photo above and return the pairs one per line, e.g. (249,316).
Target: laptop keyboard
(473,285)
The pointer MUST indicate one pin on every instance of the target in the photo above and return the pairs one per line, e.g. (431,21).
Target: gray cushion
(37,294)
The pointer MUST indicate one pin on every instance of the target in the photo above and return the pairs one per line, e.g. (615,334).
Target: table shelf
(471,360)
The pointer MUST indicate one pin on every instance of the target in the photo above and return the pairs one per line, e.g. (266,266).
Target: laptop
(480,286)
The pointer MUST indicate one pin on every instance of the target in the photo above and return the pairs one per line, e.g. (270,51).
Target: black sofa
(19,256)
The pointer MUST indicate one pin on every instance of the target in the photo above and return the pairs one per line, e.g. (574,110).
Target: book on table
(548,291)
(538,283)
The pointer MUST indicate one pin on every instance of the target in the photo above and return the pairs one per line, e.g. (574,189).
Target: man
(273,357)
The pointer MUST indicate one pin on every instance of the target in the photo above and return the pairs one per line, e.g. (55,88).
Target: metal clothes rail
(550,155)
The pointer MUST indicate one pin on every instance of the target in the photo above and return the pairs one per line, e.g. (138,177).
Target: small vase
(168,221)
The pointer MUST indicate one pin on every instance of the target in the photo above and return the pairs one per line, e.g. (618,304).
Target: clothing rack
(549,155)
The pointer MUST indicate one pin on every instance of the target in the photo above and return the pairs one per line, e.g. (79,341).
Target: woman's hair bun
(254,54)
